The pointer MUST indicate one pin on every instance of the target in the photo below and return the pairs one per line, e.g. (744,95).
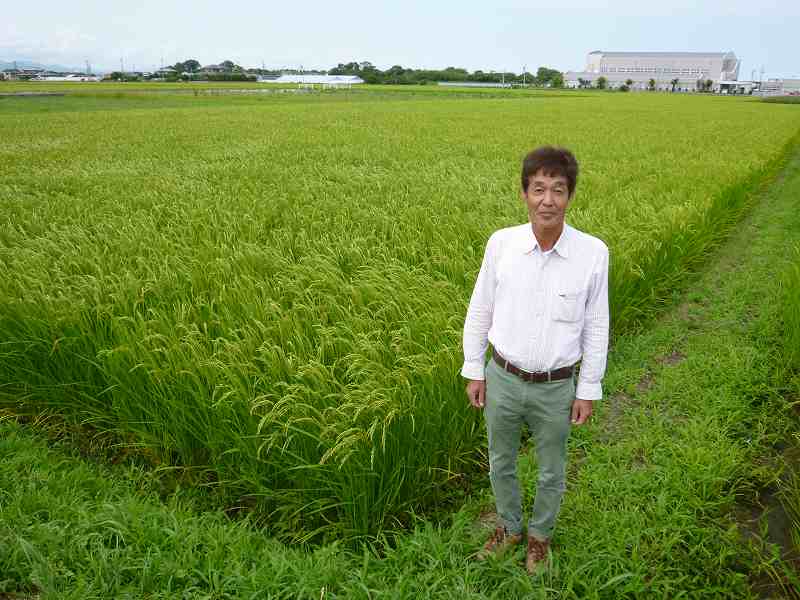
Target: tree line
(397,74)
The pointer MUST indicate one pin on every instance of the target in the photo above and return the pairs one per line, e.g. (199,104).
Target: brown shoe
(537,554)
(498,543)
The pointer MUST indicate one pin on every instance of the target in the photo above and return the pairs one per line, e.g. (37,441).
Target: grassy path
(659,483)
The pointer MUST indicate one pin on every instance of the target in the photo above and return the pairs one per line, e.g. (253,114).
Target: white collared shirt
(541,310)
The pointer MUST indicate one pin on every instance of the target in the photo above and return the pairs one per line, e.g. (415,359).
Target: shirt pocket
(569,305)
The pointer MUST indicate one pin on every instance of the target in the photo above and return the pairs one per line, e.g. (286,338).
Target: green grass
(783,99)
(791,309)
(657,481)
(269,292)
(239,88)
(790,313)
(100,87)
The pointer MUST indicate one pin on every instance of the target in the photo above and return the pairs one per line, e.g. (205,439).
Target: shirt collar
(561,247)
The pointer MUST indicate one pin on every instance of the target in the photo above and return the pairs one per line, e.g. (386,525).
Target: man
(541,300)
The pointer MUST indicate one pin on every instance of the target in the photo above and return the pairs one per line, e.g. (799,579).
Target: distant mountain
(29,64)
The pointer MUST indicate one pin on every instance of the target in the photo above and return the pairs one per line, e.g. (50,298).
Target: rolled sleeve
(473,370)
(588,391)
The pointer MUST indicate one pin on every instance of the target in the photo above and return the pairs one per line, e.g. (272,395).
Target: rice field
(268,292)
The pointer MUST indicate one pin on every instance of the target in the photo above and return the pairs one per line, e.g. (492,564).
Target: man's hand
(476,392)
(581,411)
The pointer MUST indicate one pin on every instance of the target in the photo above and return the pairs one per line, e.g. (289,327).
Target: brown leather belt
(540,377)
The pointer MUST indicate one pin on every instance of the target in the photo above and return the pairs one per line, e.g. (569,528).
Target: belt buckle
(527,376)
(532,376)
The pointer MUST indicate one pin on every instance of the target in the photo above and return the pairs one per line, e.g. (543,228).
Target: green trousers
(546,408)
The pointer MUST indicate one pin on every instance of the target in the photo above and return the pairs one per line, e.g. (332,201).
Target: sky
(502,35)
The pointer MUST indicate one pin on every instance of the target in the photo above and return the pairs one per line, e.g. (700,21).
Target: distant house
(166,72)
(22,74)
(213,69)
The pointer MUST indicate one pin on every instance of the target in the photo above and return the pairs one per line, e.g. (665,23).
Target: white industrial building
(722,68)
(325,81)
(69,78)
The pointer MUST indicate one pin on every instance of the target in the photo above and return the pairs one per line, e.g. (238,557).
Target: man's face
(547,199)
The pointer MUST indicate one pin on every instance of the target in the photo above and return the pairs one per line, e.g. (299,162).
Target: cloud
(57,43)
(66,40)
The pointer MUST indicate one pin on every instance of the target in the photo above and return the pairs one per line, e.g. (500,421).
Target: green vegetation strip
(791,309)
(657,488)
(783,100)
(790,305)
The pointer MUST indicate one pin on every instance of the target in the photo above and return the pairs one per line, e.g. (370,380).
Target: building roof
(68,77)
(665,54)
(318,79)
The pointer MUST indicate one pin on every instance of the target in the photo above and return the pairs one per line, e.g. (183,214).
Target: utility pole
(88,67)
(524,70)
